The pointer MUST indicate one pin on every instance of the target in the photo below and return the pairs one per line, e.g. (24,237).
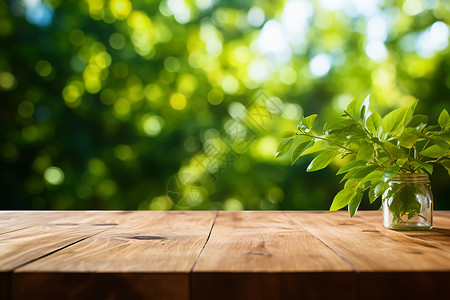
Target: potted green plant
(390,156)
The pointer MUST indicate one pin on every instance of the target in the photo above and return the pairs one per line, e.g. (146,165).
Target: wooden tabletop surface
(219,255)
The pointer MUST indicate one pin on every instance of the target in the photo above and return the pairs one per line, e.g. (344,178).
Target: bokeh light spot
(106,188)
(288,75)
(265,148)
(178,101)
(412,7)
(72,93)
(117,41)
(122,106)
(44,68)
(255,16)
(76,37)
(172,64)
(233,204)
(376,51)
(230,84)
(215,96)
(320,65)
(152,125)
(97,167)
(7,80)
(25,109)
(124,152)
(54,175)
(292,111)
(120,8)
(161,203)
(108,96)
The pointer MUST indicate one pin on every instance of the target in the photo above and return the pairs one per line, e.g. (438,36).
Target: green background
(148,104)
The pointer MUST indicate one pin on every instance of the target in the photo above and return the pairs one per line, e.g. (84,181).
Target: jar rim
(410,177)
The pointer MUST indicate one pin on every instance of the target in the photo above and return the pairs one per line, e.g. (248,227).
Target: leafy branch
(378,148)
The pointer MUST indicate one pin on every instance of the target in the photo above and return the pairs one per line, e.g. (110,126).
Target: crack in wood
(204,245)
(56,250)
(146,237)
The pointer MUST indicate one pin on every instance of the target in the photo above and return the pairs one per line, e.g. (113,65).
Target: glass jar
(408,202)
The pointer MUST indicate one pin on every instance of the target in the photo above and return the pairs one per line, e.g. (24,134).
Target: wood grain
(27,244)
(28,236)
(368,246)
(15,220)
(226,255)
(143,241)
(439,236)
(246,249)
(158,248)
(390,264)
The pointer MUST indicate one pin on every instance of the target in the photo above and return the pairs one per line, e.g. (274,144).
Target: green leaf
(340,124)
(309,121)
(342,198)
(434,151)
(298,151)
(444,135)
(372,196)
(352,183)
(444,119)
(409,137)
(302,128)
(373,123)
(353,109)
(364,171)
(416,120)
(392,123)
(411,110)
(284,147)
(394,151)
(373,177)
(354,203)
(364,111)
(404,202)
(288,134)
(366,152)
(322,160)
(380,188)
(394,169)
(351,165)
(419,164)
(318,146)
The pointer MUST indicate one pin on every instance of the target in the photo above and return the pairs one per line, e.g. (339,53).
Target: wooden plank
(404,285)
(380,255)
(359,240)
(32,235)
(162,246)
(298,285)
(15,220)
(91,285)
(27,244)
(265,255)
(5,286)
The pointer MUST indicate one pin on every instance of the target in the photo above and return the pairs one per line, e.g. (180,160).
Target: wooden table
(219,255)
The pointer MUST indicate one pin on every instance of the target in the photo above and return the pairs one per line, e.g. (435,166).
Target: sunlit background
(179,104)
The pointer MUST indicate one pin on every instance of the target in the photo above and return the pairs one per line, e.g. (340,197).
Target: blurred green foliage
(118,104)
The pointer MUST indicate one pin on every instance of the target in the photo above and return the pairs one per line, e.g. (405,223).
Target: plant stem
(426,144)
(436,160)
(360,125)
(325,139)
